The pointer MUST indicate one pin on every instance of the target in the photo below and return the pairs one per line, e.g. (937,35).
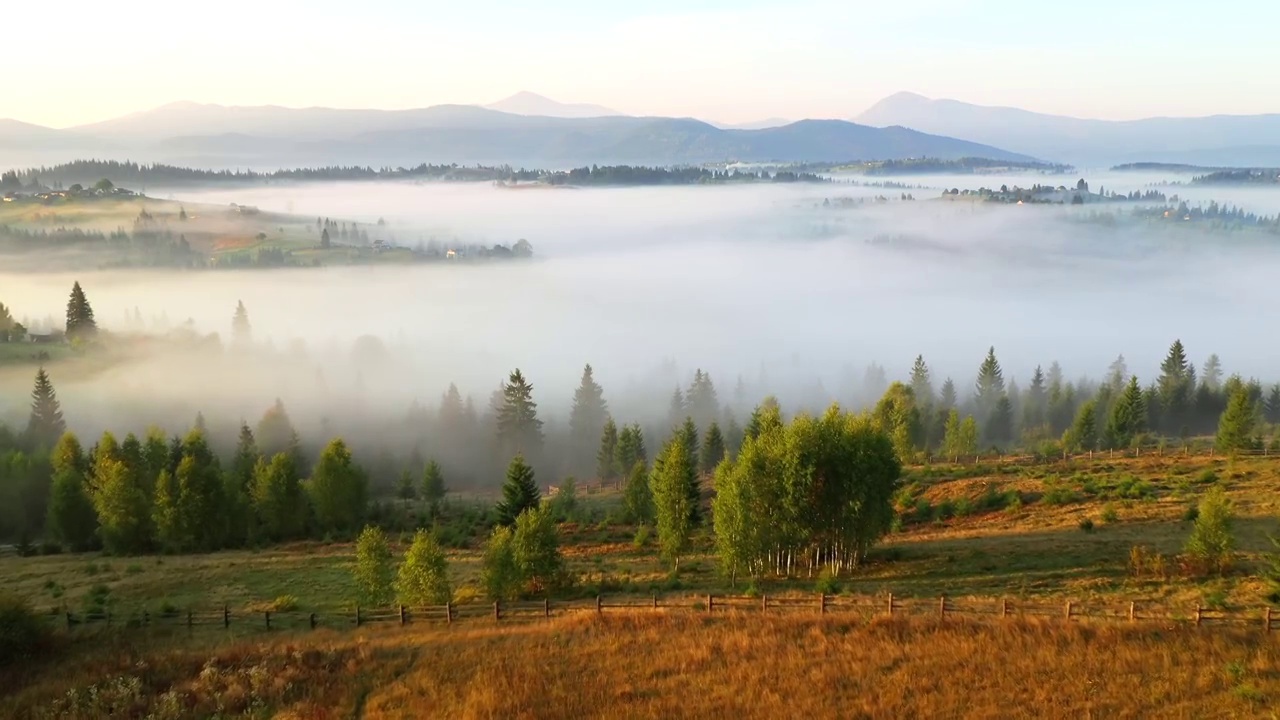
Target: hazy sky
(727,60)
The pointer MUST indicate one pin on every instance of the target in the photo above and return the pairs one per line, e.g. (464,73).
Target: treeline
(639,175)
(961,166)
(1240,176)
(140,174)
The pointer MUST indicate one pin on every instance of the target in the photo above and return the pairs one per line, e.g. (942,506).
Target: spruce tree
(586,419)
(676,410)
(637,501)
(325,242)
(518,426)
(990,385)
(713,450)
(519,492)
(1236,426)
(1034,408)
(1083,434)
(1175,390)
(1128,418)
(607,465)
(1272,408)
(245,462)
(947,398)
(275,433)
(80,322)
(1117,374)
(631,448)
(1212,375)
(241,330)
(921,385)
(701,401)
(433,487)
(999,428)
(45,424)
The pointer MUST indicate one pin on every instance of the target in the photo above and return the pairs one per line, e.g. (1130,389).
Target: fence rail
(867,606)
(1024,458)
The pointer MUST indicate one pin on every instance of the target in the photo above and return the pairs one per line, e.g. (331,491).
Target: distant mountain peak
(531,103)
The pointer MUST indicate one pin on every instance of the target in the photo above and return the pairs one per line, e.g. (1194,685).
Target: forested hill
(89,172)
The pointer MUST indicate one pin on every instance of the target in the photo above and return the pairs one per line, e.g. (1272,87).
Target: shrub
(1056,493)
(373,571)
(1190,514)
(827,583)
(23,635)
(643,533)
(424,576)
(1144,562)
(1109,514)
(1208,477)
(1086,524)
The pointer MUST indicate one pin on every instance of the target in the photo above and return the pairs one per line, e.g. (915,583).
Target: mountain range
(1226,140)
(542,133)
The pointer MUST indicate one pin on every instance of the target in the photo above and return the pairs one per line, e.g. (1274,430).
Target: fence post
(710,601)
(1199,614)
(497,610)
(313,621)
(546,607)
(599,607)
(764,602)
(1068,611)
(1132,616)
(822,603)
(448,612)
(890,604)
(1004,607)
(1267,620)
(226,617)
(942,607)
(655,601)
(357,616)
(267,615)
(403,617)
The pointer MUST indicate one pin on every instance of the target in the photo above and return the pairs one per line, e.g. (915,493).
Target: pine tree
(1117,374)
(713,450)
(535,546)
(423,578)
(518,426)
(241,331)
(325,242)
(701,401)
(1236,426)
(874,382)
(1212,375)
(433,487)
(921,386)
(374,573)
(607,465)
(279,503)
(586,420)
(45,425)
(688,436)
(201,505)
(80,322)
(245,462)
(519,492)
(990,385)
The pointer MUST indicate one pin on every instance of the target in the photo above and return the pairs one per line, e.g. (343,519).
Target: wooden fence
(865,606)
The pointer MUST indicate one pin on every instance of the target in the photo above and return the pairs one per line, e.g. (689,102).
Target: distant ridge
(270,137)
(527,103)
(1213,140)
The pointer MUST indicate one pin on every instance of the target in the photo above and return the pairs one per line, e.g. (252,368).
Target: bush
(827,583)
(1086,525)
(643,534)
(1109,514)
(1056,493)
(1190,514)
(1146,563)
(1208,477)
(23,635)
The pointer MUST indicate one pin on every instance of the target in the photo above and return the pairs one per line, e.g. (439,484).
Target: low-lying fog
(647,284)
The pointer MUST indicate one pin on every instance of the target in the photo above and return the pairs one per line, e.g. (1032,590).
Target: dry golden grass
(669,666)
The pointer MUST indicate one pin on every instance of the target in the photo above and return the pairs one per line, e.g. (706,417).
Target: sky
(722,60)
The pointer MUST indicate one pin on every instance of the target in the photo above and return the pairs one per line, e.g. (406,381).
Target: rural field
(1031,536)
